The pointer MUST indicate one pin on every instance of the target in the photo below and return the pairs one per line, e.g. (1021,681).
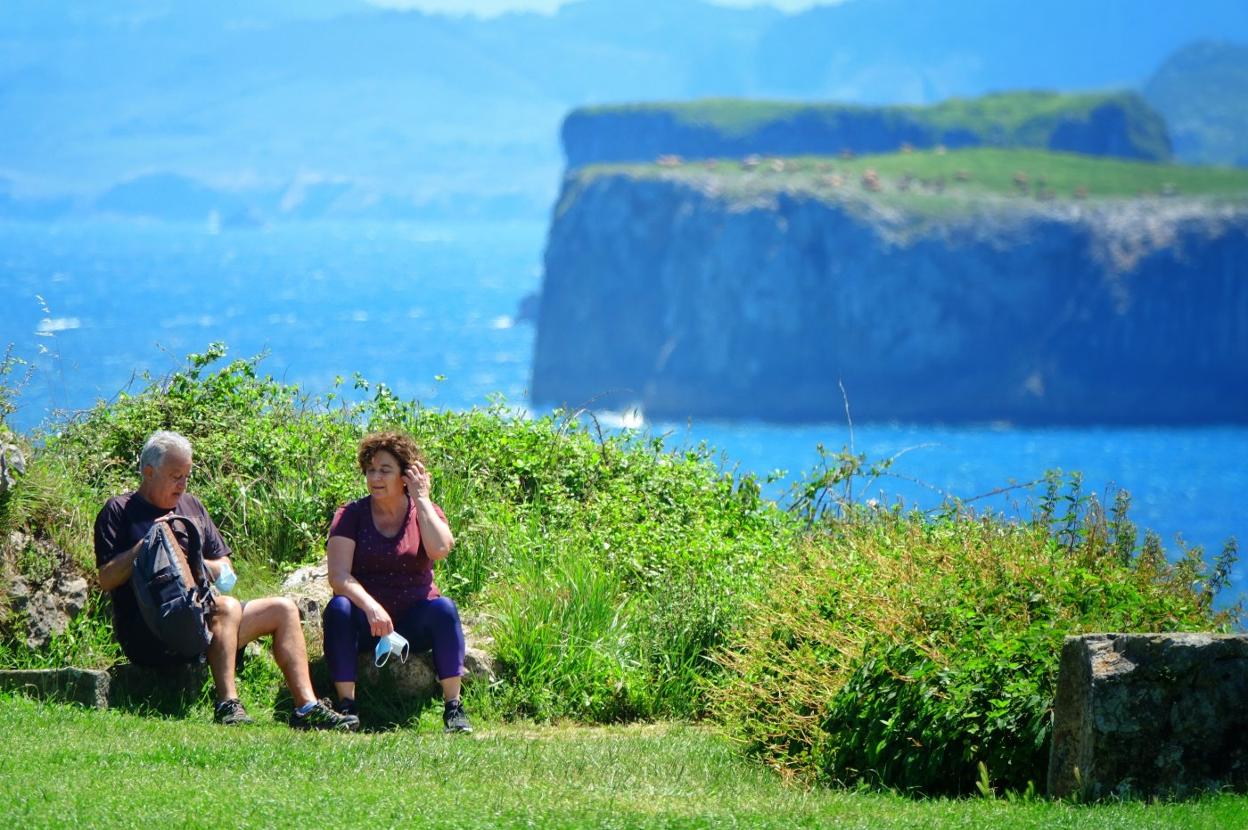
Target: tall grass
(568,636)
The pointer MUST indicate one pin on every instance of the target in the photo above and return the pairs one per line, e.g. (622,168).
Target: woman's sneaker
(453,717)
(347,706)
(322,716)
(231,713)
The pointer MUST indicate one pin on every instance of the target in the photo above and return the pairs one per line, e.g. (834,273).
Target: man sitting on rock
(165,466)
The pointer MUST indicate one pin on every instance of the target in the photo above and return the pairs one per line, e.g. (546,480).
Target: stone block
(90,687)
(137,683)
(1143,715)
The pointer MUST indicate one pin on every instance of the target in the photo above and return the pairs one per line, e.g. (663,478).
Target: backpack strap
(195,548)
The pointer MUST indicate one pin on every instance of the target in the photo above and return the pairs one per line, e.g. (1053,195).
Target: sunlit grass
(68,767)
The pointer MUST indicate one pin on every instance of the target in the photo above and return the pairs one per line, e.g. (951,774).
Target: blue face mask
(392,643)
(226,579)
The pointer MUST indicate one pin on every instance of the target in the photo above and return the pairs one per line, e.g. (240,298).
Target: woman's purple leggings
(429,624)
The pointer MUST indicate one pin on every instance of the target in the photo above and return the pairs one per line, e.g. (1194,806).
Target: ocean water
(431,310)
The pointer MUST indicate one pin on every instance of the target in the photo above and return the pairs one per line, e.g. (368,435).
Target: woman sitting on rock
(381,552)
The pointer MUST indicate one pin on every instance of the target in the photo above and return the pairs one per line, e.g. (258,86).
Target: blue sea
(431,310)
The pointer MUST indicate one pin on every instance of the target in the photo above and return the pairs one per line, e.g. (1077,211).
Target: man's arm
(216,551)
(116,572)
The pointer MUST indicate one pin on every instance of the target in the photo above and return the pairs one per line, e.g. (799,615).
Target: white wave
(503,322)
(51,325)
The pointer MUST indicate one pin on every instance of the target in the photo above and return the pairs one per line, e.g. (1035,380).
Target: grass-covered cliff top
(1006,119)
(940,181)
(1006,112)
(621,579)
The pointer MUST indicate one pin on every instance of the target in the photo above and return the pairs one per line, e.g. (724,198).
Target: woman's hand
(418,480)
(379,622)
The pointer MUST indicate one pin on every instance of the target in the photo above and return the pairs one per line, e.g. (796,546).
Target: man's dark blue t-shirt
(120,525)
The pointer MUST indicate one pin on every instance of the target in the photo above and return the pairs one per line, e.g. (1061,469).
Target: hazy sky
(488,8)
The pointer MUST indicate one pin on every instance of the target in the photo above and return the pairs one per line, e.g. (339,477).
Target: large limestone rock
(309,589)
(50,593)
(1150,714)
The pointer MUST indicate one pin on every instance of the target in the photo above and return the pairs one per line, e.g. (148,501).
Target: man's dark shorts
(143,649)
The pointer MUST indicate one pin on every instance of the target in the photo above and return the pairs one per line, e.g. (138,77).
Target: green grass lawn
(64,766)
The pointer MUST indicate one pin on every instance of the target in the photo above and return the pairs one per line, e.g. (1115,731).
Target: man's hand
(214,566)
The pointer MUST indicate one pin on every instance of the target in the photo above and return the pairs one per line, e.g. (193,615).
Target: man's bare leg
(224,624)
(279,617)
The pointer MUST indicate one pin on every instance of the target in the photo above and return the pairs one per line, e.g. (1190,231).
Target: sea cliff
(674,292)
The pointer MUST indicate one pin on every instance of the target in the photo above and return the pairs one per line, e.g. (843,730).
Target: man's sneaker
(231,712)
(347,706)
(453,717)
(323,716)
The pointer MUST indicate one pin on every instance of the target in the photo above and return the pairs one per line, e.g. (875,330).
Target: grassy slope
(68,767)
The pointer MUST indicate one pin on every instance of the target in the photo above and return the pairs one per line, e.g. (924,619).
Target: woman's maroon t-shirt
(395,570)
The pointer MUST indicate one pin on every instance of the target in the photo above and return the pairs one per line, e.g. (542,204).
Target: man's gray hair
(160,443)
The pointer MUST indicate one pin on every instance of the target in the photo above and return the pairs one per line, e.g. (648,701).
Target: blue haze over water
(430,310)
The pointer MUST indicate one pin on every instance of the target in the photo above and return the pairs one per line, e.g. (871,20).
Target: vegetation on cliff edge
(623,580)
(1005,119)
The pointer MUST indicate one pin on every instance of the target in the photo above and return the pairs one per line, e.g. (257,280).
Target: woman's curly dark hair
(398,444)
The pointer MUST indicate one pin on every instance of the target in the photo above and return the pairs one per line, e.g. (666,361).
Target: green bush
(606,567)
(903,651)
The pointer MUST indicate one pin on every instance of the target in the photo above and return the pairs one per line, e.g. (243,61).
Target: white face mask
(392,643)
(226,579)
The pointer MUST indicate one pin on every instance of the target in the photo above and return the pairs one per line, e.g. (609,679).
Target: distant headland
(980,284)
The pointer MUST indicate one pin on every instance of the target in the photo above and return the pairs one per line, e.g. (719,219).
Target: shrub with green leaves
(903,651)
(606,567)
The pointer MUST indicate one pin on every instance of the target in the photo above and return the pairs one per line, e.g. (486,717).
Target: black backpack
(173,587)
